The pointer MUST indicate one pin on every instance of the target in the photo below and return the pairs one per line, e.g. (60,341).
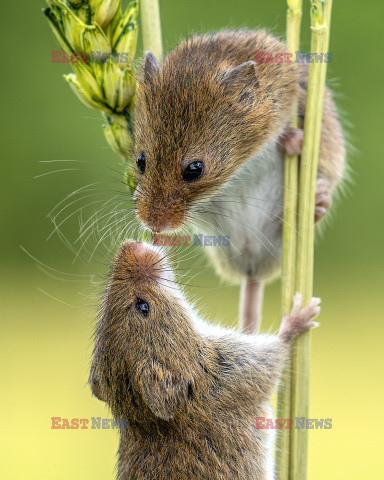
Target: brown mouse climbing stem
(185,393)
(210,127)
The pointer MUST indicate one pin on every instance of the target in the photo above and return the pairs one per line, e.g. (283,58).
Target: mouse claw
(297,302)
(300,319)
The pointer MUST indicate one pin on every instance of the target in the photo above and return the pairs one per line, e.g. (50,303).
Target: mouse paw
(291,141)
(300,318)
(323,198)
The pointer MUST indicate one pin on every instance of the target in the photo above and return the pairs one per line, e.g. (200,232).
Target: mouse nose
(161,214)
(160,225)
(142,261)
(136,247)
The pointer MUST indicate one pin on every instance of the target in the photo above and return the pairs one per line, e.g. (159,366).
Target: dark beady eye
(193,171)
(142,307)
(140,162)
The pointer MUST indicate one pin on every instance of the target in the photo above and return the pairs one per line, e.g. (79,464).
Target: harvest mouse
(186,393)
(211,129)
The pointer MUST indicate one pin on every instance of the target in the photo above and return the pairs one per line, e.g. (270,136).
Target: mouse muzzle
(161,214)
(141,262)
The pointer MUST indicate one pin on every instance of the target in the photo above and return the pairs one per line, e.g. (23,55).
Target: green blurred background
(47,316)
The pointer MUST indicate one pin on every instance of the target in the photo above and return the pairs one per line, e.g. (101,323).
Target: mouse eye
(142,307)
(193,171)
(140,162)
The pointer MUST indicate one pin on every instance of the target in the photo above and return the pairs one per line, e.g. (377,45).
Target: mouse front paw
(300,318)
(323,198)
(291,141)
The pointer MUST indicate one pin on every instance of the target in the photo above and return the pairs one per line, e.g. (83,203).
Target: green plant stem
(152,42)
(320,21)
(151,27)
(291,170)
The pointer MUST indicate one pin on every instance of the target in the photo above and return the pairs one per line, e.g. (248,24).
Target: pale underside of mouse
(185,393)
(211,129)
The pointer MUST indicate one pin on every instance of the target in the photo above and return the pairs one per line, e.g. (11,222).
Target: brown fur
(189,399)
(195,106)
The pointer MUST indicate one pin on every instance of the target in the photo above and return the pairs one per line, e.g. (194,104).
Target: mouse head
(145,342)
(195,125)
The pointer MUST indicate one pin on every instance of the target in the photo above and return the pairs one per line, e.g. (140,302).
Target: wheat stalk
(320,27)
(288,276)
(151,26)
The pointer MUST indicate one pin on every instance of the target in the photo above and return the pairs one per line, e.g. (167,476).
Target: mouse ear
(151,67)
(96,389)
(241,77)
(163,392)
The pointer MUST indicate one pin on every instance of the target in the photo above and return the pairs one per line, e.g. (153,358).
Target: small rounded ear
(151,67)
(163,392)
(242,77)
(96,389)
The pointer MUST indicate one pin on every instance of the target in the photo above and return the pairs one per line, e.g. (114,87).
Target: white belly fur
(248,208)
